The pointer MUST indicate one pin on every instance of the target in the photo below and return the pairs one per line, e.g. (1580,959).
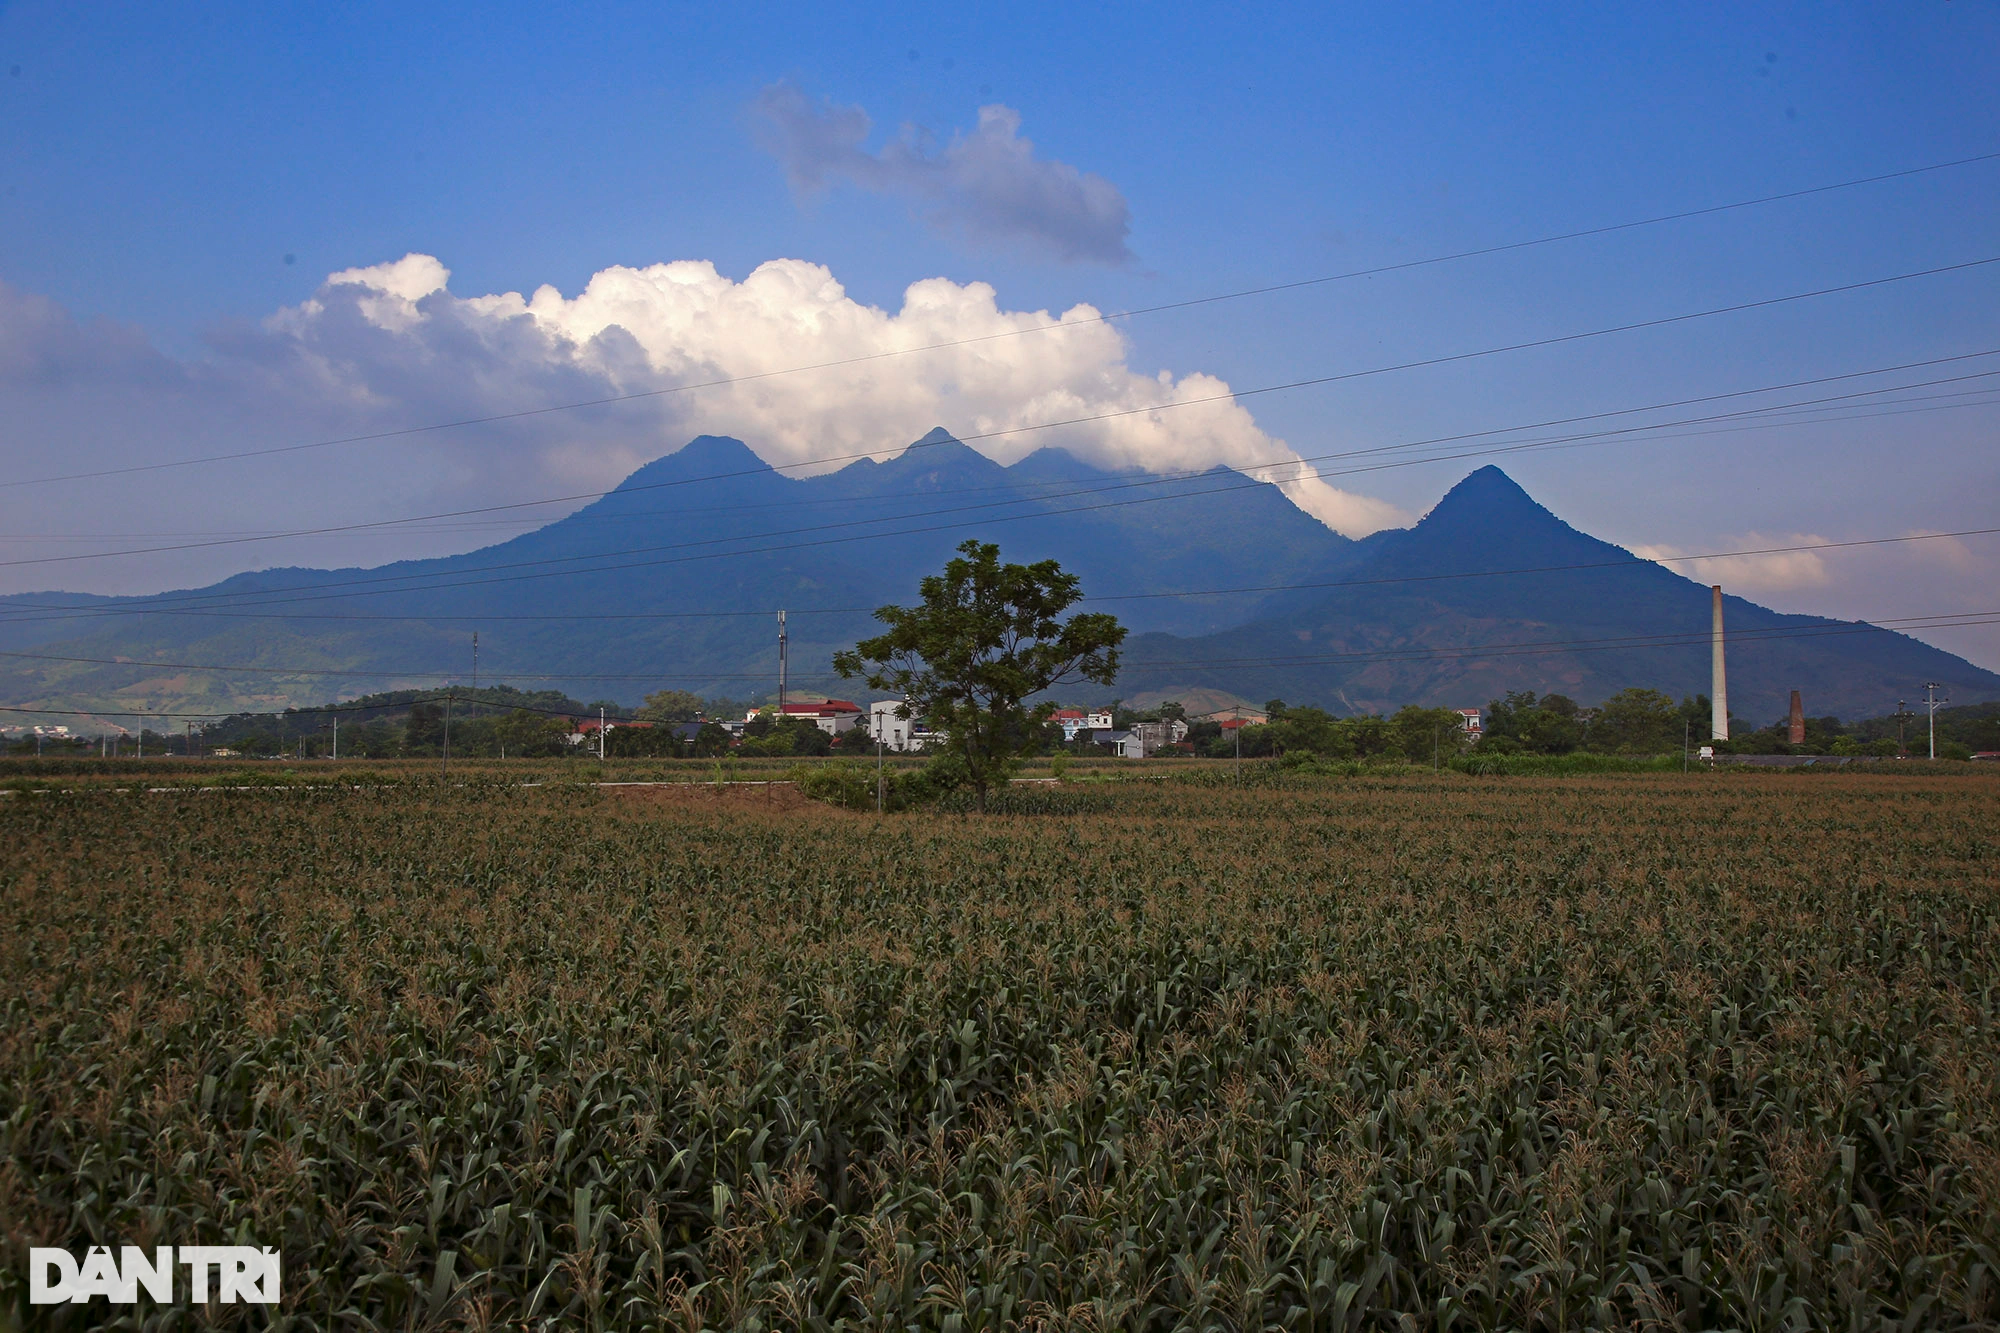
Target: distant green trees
(771,736)
(672,706)
(1634,721)
(530,735)
(520,733)
(1637,721)
(1642,721)
(423,730)
(1412,734)
(712,740)
(1521,722)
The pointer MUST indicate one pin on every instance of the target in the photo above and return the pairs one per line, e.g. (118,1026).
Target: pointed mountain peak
(1490,492)
(940,449)
(724,466)
(1488,521)
(703,456)
(1490,505)
(720,452)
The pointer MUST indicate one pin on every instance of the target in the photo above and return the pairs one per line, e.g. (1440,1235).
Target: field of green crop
(1380,1051)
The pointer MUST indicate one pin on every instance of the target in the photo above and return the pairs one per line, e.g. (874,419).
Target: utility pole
(336,737)
(878,772)
(187,749)
(781,666)
(1902,712)
(1932,703)
(600,735)
(445,767)
(475,659)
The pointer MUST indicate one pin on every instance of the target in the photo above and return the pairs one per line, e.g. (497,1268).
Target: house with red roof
(1073,720)
(832,716)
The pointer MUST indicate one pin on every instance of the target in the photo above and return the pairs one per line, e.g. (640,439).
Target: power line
(1031,489)
(1092,418)
(1161,478)
(1517,648)
(382,673)
(1549,569)
(1085,322)
(1242,483)
(1779,632)
(1631,561)
(1236,481)
(1942,620)
(356,707)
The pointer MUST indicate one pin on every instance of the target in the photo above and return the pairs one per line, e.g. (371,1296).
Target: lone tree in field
(985,639)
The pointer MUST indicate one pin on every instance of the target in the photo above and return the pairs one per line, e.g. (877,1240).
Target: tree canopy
(986,638)
(671,706)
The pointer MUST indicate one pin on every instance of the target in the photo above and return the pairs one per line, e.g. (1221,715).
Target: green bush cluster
(939,785)
(854,787)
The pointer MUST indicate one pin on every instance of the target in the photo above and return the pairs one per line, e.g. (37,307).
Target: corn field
(1376,1052)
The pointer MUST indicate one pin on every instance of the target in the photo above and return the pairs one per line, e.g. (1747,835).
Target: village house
(1142,740)
(585,729)
(896,733)
(1124,744)
(832,716)
(1073,720)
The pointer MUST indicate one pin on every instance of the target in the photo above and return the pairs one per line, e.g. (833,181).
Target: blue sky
(158,167)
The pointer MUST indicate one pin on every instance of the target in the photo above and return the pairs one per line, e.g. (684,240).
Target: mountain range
(1229,589)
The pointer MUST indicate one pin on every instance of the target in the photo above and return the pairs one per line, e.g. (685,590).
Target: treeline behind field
(1635,722)
(1638,721)
(488,722)
(500,721)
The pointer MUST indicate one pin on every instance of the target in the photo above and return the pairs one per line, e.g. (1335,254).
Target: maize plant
(1383,1051)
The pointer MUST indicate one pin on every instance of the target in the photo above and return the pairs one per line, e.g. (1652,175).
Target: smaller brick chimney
(1798,722)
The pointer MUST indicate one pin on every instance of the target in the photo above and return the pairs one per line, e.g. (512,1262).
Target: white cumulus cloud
(1750,575)
(380,349)
(986,187)
(950,355)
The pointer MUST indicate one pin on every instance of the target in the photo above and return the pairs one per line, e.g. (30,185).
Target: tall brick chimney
(1798,726)
(1718,686)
